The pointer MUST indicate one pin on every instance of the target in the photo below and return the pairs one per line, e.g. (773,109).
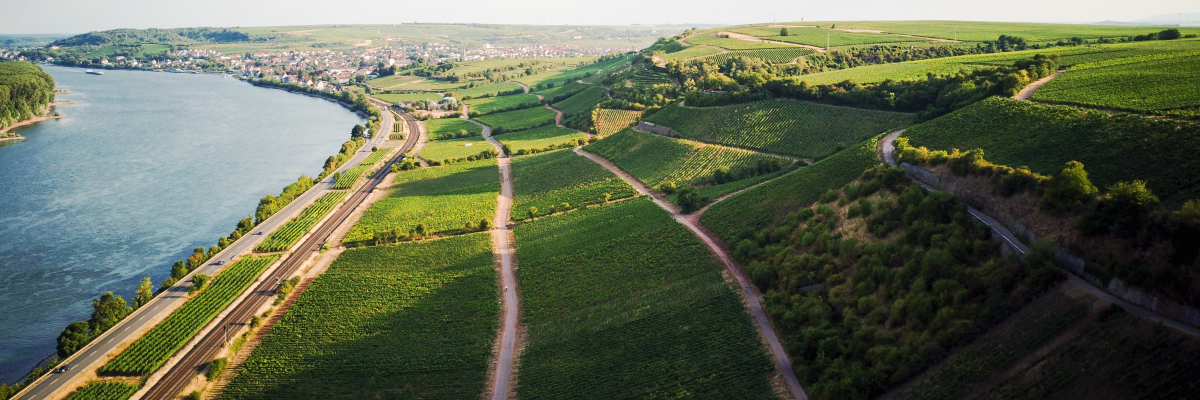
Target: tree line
(25,91)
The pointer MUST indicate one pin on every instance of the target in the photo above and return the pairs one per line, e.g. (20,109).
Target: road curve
(98,351)
(1027,92)
(183,372)
(557,116)
(782,362)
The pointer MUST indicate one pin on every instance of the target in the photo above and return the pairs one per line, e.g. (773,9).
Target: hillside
(25,90)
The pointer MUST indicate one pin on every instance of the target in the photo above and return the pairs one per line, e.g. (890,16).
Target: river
(144,167)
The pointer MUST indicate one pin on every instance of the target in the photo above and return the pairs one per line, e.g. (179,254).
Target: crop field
(817,36)
(773,56)
(692,52)
(562,92)
(655,317)
(757,207)
(444,199)
(700,167)
(647,78)
(407,321)
(453,149)
(581,102)
(485,90)
(539,139)
(559,75)
(291,232)
(977,31)
(612,121)
(389,81)
(519,120)
(442,127)
(551,179)
(104,391)
(648,157)
(376,156)
(483,65)
(154,348)
(408,97)
(1113,148)
(1154,83)
(781,126)
(707,38)
(347,179)
(488,105)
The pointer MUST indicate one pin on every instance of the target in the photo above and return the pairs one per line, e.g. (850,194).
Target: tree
(1123,210)
(1169,34)
(1068,188)
(689,199)
(107,311)
(73,338)
(484,225)
(199,281)
(145,292)
(785,32)
(357,132)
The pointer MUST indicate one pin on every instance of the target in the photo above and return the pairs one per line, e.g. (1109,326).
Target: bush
(215,367)
(1068,189)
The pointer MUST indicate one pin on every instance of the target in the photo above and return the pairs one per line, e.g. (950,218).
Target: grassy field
(408,97)
(774,56)
(1120,147)
(780,126)
(444,199)
(1149,84)
(488,105)
(453,149)
(581,102)
(519,120)
(540,139)
(406,321)
(653,320)
(692,52)
(444,128)
(612,121)
(757,207)
(649,158)
(547,181)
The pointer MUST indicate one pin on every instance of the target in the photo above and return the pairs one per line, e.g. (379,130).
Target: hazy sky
(78,16)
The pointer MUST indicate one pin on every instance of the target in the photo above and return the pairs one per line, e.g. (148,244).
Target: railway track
(182,373)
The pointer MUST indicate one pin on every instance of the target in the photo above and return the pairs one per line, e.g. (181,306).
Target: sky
(79,16)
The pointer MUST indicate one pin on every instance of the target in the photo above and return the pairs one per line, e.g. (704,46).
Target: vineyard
(291,232)
(104,391)
(1113,148)
(781,126)
(414,320)
(489,105)
(484,90)
(612,121)
(692,52)
(706,38)
(540,139)
(519,120)
(1148,84)
(698,170)
(773,56)
(549,180)
(347,178)
(442,199)
(562,92)
(649,158)
(376,156)
(757,207)
(655,316)
(154,348)
(582,102)
(646,77)
(447,128)
(560,75)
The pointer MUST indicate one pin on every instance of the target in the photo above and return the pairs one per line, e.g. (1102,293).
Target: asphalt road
(92,356)
(183,372)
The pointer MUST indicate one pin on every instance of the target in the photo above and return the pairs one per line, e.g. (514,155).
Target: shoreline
(33,120)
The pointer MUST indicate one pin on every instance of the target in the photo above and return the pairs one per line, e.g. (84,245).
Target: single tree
(73,338)
(784,32)
(1068,188)
(145,292)
(107,311)
(357,132)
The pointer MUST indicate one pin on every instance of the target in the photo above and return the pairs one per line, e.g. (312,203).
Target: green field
(692,52)
(549,180)
(394,80)
(559,76)
(291,232)
(154,348)
(1119,147)
(822,37)
(485,90)
(612,121)
(488,105)
(453,149)
(561,92)
(539,139)
(1149,84)
(648,157)
(347,178)
(470,67)
(977,31)
(652,320)
(774,56)
(581,102)
(443,128)
(407,321)
(767,203)
(408,97)
(444,199)
(789,127)
(707,38)
(104,391)
(519,120)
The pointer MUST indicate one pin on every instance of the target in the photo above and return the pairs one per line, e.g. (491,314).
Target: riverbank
(32,120)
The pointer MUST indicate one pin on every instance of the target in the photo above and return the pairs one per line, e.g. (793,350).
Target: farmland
(818,37)
(774,56)
(539,139)
(442,199)
(1148,84)
(780,126)
(700,167)
(560,75)
(519,120)
(646,77)
(154,348)
(445,128)
(394,80)
(104,391)
(347,178)
(547,181)
(692,52)
(976,31)
(411,321)
(1113,148)
(581,102)
(408,97)
(656,316)
(485,90)
(291,232)
(649,158)
(612,121)
(488,105)
(706,38)
(376,156)
(562,92)
(454,149)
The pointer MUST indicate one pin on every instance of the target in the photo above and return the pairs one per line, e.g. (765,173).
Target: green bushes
(215,368)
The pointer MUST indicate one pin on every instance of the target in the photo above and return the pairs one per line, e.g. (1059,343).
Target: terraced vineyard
(154,348)
(291,232)
(780,126)
(1156,83)
(655,316)
(489,105)
(104,391)
(549,180)
(774,56)
(692,52)
(519,120)
(420,317)
(582,102)
(443,200)
(347,178)
(647,77)
(649,158)
(612,121)
(540,139)
(445,128)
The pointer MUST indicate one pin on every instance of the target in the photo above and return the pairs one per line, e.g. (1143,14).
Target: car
(259,233)
(62,369)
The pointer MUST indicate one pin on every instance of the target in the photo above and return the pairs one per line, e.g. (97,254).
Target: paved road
(96,353)
(782,362)
(182,373)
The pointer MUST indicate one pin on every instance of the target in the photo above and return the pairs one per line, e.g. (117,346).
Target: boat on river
(91,72)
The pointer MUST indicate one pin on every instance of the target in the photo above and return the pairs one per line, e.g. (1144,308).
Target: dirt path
(1027,92)
(540,97)
(749,293)
(557,116)
(502,248)
(526,87)
(748,38)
